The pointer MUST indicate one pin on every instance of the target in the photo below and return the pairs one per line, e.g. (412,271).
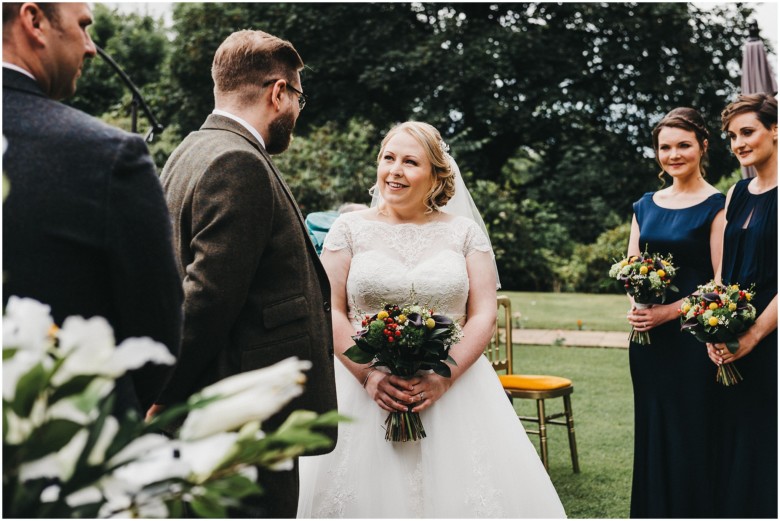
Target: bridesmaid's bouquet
(646,278)
(719,314)
(406,339)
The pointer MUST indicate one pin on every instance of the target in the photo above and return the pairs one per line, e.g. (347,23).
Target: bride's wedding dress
(476,460)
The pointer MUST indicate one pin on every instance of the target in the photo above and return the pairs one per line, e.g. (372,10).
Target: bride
(476,460)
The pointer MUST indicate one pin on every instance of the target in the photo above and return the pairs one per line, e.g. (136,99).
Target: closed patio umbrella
(757,74)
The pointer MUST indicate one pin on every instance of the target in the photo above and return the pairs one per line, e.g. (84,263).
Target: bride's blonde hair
(443,177)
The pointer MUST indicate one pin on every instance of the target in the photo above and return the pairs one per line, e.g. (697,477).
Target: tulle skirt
(476,461)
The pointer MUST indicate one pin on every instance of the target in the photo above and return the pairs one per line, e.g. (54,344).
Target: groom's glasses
(301,96)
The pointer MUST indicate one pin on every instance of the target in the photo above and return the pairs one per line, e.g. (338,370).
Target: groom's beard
(280,133)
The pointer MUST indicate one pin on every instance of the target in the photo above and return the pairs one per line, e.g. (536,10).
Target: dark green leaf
(443,370)
(329,419)
(73,386)
(359,356)
(51,437)
(175,509)
(208,506)
(235,486)
(29,387)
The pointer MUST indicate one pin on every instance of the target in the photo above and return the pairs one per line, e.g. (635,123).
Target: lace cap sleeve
(475,239)
(339,236)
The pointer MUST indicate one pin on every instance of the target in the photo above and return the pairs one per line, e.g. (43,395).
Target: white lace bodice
(391,260)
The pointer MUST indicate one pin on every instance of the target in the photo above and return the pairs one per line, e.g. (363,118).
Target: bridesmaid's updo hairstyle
(762,105)
(684,118)
(443,177)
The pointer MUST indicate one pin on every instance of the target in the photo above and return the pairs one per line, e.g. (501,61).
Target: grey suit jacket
(85,226)
(255,291)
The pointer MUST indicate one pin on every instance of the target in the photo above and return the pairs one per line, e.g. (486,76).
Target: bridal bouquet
(646,278)
(719,314)
(406,339)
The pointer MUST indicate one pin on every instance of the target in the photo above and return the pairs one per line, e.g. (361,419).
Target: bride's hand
(429,390)
(392,393)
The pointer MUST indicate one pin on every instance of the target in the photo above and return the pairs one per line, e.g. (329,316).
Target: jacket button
(326,305)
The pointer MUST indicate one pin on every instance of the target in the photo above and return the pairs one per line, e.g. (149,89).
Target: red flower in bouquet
(716,313)
(406,340)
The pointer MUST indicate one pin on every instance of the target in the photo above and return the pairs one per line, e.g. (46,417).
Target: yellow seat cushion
(533,382)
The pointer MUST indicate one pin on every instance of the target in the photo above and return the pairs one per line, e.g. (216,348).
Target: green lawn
(563,310)
(603,421)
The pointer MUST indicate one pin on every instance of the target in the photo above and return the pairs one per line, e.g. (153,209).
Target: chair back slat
(501,359)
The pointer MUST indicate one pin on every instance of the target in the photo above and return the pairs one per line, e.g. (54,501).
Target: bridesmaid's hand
(431,388)
(392,393)
(720,354)
(647,319)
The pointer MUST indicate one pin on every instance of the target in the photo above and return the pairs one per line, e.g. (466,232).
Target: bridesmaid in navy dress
(747,473)
(673,379)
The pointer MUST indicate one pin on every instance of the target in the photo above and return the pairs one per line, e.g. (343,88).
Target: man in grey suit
(255,292)
(85,226)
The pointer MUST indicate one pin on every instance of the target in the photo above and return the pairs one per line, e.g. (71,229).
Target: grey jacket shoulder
(26,108)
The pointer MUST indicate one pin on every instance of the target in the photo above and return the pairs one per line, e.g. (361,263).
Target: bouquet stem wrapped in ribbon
(719,314)
(407,340)
(646,278)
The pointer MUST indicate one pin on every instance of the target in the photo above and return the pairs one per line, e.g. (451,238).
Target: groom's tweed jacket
(255,292)
(85,226)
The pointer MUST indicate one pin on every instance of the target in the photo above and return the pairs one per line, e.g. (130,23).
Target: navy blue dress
(674,380)
(747,473)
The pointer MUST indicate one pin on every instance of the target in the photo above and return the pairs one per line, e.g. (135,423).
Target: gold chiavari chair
(532,387)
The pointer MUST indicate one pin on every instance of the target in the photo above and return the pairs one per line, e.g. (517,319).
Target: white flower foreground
(65,455)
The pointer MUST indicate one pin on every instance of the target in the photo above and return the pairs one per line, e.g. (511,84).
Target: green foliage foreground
(68,453)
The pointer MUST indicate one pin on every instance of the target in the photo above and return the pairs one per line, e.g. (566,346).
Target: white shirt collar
(19,69)
(243,122)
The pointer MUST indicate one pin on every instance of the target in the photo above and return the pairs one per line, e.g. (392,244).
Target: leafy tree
(139,45)
(586,270)
(498,79)
(529,243)
(507,74)
(552,104)
(330,167)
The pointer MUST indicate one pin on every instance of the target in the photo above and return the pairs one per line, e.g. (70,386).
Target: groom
(255,291)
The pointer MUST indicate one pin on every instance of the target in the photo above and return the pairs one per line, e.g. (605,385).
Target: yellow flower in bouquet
(406,339)
(719,314)
(646,278)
